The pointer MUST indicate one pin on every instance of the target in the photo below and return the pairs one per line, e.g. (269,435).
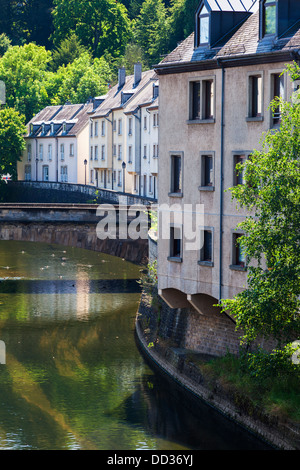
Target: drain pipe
(221,180)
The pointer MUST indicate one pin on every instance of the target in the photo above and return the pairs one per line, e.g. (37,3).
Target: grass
(277,394)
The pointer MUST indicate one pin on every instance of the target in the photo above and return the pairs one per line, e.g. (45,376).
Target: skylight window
(269,17)
(203,26)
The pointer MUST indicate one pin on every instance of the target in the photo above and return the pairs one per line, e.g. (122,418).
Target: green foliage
(23,70)
(5,43)
(148,279)
(151,30)
(79,80)
(270,304)
(68,50)
(102,25)
(12,130)
(263,365)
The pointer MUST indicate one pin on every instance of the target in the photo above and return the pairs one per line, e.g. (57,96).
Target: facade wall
(191,140)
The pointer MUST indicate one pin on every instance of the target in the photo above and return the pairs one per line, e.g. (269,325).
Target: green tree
(68,50)
(102,25)
(12,130)
(270,305)
(151,30)
(78,81)
(5,43)
(23,70)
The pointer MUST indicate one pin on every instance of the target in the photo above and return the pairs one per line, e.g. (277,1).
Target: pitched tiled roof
(242,42)
(113,99)
(74,115)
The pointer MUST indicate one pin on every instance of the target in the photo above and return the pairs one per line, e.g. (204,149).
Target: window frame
(235,234)
(238,153)
(202,261)
(172,253)
(203,118)
(272,3)
(203,186)
(276,73)
(173,192)
(251,115)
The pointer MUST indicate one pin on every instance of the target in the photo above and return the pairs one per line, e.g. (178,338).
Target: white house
(57,145)
(115,132)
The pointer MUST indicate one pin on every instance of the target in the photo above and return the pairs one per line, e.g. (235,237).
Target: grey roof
(232,5)
(113,99)
(242,42)
(74,115)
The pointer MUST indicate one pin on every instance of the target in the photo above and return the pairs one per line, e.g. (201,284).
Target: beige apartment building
(215,91)
(115,132)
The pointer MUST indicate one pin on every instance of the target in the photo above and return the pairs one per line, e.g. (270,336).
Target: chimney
(122,76)
(137,74)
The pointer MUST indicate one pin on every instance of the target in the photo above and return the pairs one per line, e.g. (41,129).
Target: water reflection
(74,378)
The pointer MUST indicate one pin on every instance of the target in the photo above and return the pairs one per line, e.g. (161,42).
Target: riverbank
(163,349)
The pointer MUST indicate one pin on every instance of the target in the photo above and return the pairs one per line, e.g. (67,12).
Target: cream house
(215,91)
(57,145)
(114,149)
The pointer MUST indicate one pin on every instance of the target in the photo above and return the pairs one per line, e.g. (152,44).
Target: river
(73,376)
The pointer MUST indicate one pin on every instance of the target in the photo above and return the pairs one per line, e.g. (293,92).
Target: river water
(73,376)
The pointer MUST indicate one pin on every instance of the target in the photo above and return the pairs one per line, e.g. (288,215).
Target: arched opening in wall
(174,298)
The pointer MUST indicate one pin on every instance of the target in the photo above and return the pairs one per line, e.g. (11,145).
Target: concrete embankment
(161,344)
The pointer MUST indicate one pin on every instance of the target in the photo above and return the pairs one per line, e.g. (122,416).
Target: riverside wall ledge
(170,361)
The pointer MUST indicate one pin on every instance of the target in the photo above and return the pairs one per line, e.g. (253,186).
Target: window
(114,150)
(41,151)
(130,154)
(50,152)
(64,174)
(175,244)
(29,152)
(119,178)
(96,152)
(176,175)
(91,128)
(114,125)
(135,183)
(238,174)
(145,151)
(45,173)
(92,176)
(238,256)
(255,96)
(27,172)
(119,152)
(130,126)
(91,154)
(203,26)
(277,91)
(102,128)
(96,128)
(102,152)
(206,250)
(202,100)
(150,184)
(145,122)
(71,150)
(62,152)
(120,126)
(207,172)
(269,17)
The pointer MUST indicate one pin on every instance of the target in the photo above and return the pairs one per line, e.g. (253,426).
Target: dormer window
(269,17)
(203,25)
(64,127)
